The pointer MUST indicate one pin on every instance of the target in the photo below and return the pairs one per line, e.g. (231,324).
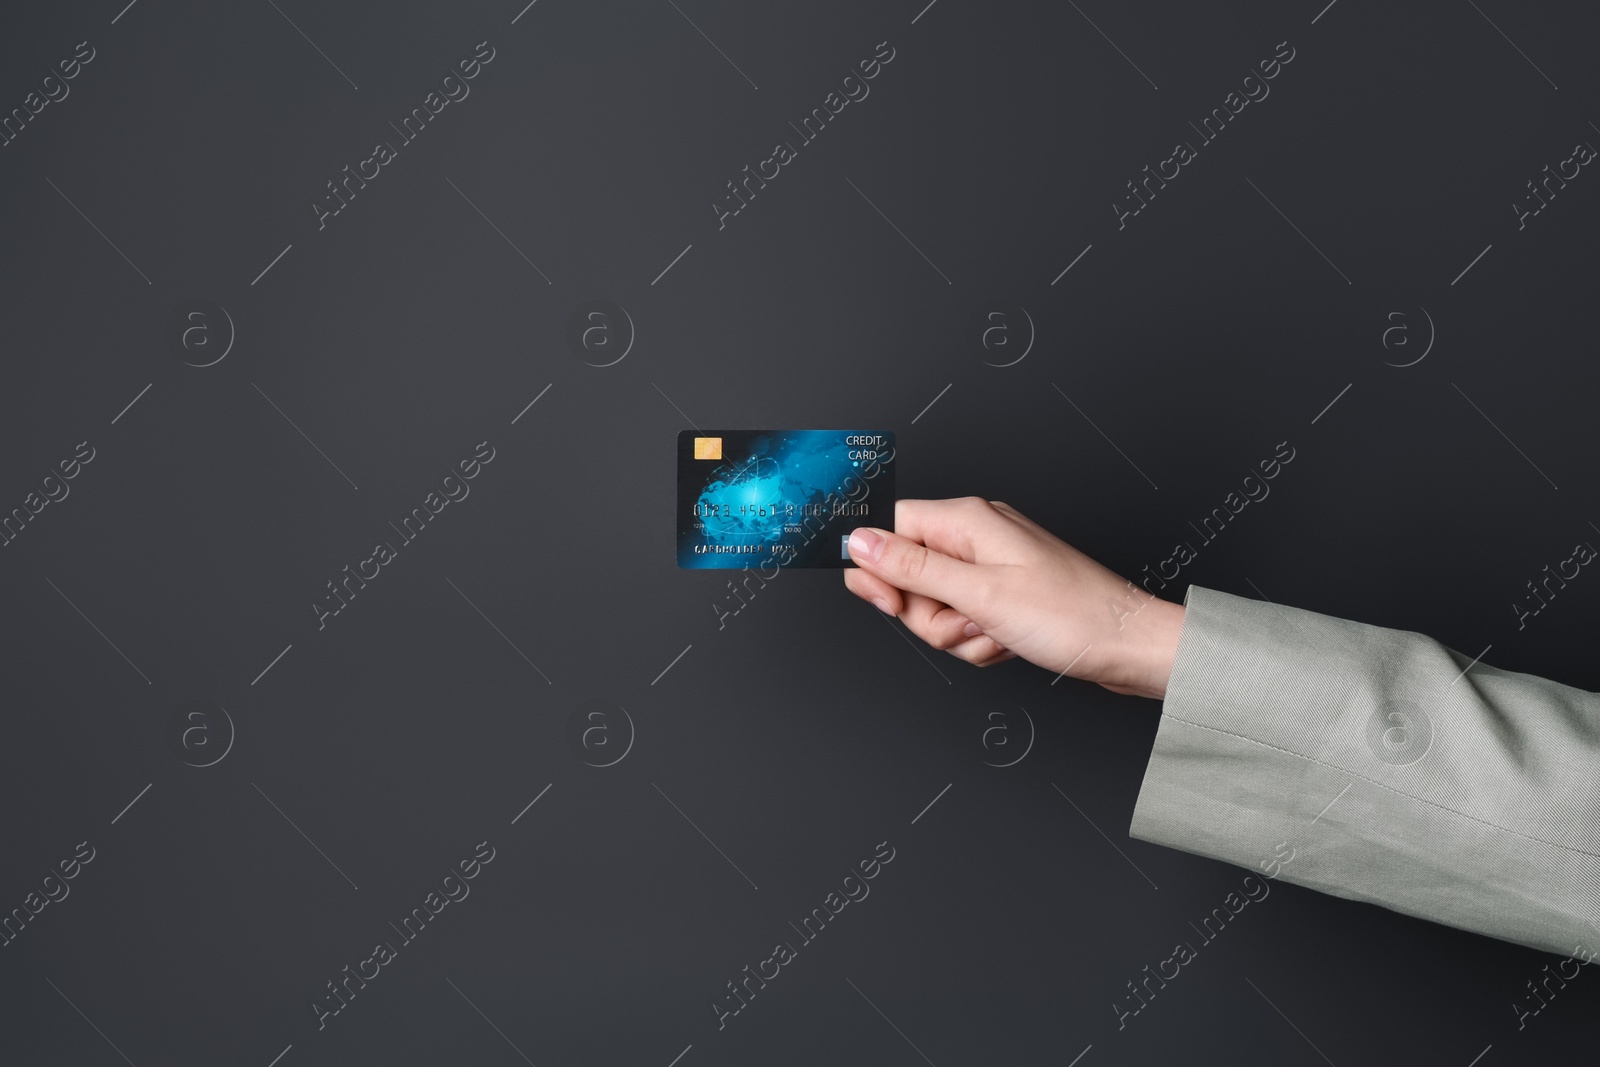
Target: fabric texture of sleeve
(1397,770)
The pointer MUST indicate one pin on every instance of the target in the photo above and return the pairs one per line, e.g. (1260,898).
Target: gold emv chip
(708,448)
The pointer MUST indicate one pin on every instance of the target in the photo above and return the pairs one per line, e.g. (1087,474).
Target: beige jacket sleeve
(1397,773)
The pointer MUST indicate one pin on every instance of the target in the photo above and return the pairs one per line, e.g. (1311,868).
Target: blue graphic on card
(780,498)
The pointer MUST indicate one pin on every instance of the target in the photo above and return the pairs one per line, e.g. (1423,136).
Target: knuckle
(929,634)
(989,512)
(974,652)
(982,600)
(910,561)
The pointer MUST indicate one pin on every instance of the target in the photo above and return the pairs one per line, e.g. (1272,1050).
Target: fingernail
(972,629)
(865,543)
(882,605)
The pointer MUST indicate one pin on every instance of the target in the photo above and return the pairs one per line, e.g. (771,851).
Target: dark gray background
(803,732)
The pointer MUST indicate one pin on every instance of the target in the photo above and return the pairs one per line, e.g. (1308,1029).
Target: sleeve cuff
(1381,768)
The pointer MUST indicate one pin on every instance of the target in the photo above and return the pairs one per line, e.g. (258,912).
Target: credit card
(780,498)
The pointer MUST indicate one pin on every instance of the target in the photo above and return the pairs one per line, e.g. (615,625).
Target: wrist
(1150,647)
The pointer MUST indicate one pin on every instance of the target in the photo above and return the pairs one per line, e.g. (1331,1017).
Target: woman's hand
(981,581)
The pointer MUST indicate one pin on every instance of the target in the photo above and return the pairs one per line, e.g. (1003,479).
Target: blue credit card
(780,498)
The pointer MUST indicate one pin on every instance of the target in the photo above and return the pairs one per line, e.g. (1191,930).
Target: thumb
(905,564)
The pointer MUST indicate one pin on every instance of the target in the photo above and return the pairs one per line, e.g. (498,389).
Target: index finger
(947,526)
